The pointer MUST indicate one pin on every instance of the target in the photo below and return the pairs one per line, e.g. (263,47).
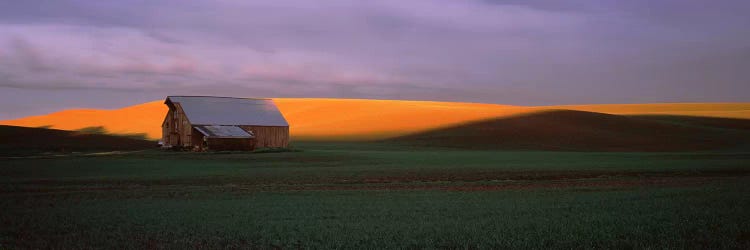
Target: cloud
(304,44)
(518,52)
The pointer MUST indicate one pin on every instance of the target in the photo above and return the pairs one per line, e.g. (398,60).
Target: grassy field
(356,195)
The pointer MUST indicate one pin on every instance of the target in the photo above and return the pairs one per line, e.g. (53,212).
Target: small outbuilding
(223,123)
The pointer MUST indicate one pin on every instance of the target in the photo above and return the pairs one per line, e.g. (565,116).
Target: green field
(350,195)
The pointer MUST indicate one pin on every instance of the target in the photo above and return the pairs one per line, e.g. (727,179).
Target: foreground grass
(714,216)
(376,196)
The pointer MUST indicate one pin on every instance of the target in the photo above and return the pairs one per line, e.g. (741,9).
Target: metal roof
(217,131)
(209,110)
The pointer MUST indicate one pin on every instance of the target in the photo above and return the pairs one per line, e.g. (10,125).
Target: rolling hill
(22,140)
(568,130)
(310,119)
(357,119)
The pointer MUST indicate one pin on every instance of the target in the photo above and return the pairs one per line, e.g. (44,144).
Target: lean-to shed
(223,123)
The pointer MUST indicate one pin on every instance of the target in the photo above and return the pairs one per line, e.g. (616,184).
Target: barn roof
(211,110)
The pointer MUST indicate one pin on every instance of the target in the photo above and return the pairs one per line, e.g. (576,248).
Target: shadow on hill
(22,141)
(99,130)
(699,121)
(567,130)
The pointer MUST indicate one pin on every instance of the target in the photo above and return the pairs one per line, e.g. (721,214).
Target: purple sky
(57,54)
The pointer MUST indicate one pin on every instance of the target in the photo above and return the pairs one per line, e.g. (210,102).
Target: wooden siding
(184,129)
(224,144)
(197,139)
(268,136)
(176,129)
(166,129)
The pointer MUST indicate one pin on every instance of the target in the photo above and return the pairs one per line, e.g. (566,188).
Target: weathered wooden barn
(223,123)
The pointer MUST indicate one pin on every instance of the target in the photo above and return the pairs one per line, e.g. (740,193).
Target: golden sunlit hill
(357,119)
(143,118)
(352,119)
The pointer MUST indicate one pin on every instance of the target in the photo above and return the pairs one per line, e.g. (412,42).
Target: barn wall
(183,127)
(176,129)
(165,128)
(269,137)
(170,133)
(197,139)
(186,130)
(233,144)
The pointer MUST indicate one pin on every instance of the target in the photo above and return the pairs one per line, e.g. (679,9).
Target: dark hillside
(566,130)
(22,140)
(698,121)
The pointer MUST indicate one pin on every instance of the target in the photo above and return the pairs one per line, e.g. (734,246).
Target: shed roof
(217,131)
(211,110)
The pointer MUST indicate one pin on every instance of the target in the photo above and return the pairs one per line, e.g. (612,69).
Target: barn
(223,123)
